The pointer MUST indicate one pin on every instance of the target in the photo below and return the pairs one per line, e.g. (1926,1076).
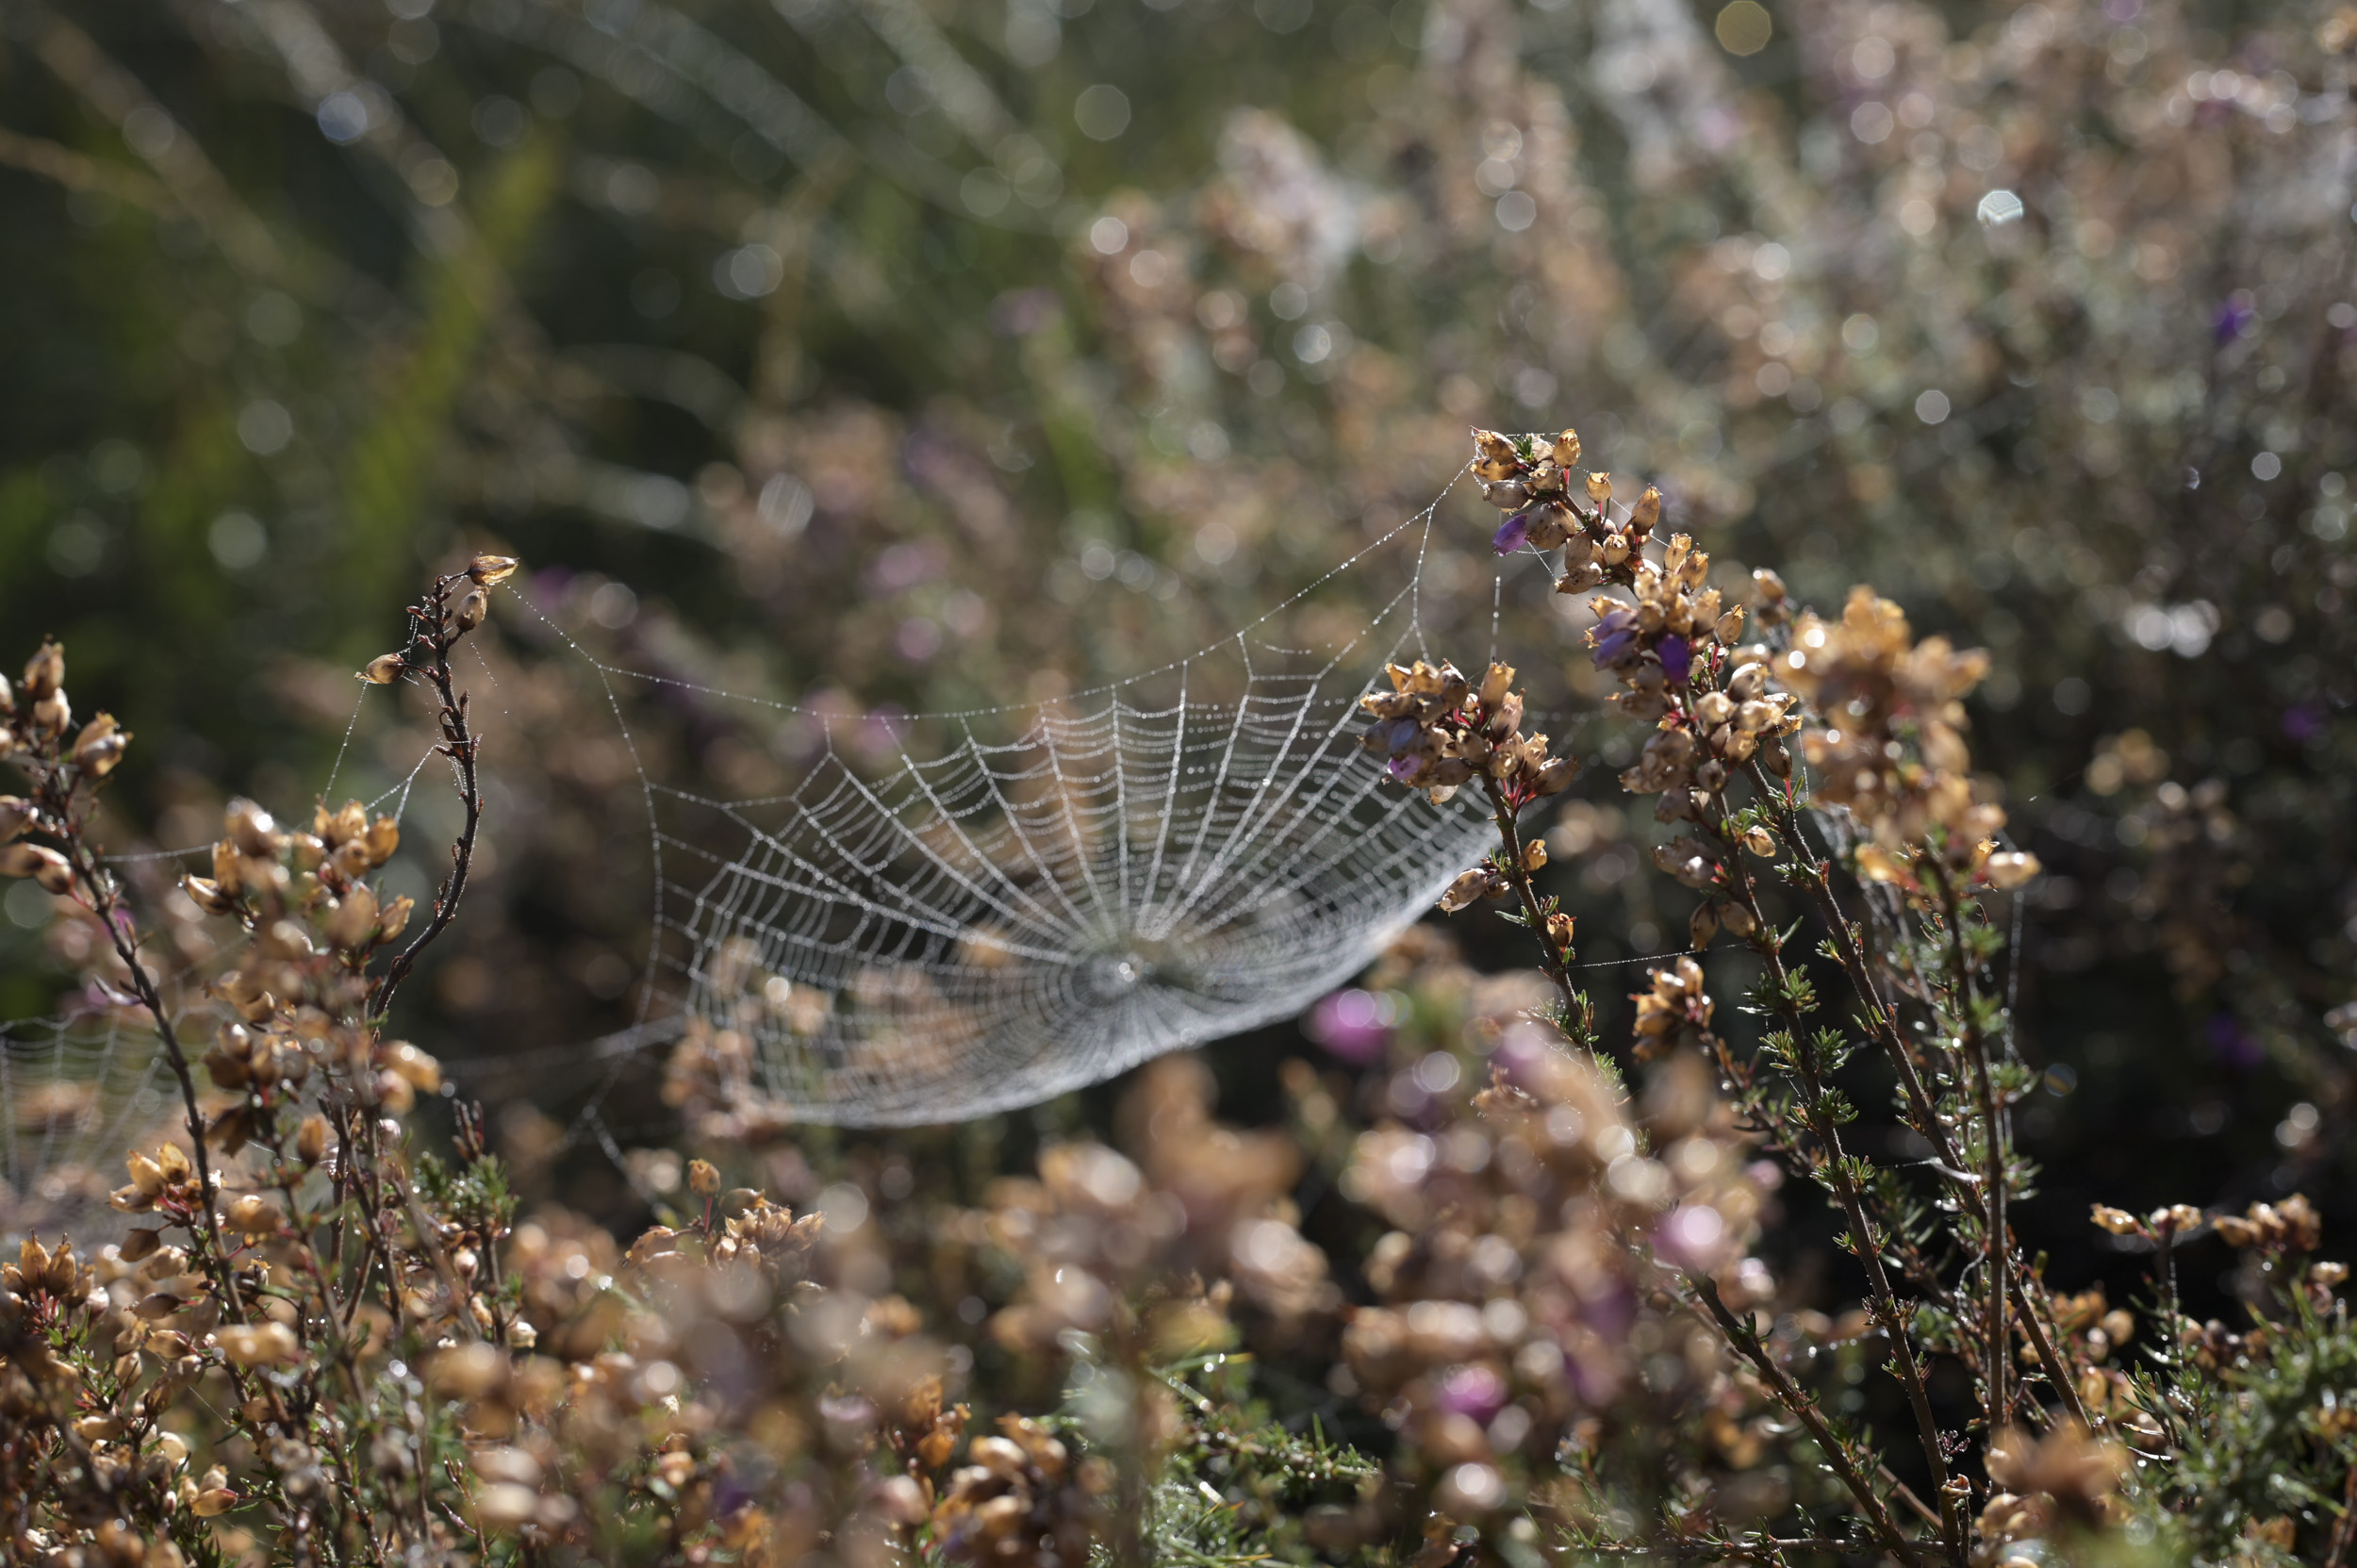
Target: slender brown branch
(1509,835)
(1880,1019)
(437,632)
(1851,1198)
(1745,1340)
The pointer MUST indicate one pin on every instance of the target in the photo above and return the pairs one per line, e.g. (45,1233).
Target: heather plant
(315,1338)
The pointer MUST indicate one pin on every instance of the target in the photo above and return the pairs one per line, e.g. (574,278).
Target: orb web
(76,1094)
(1008,920)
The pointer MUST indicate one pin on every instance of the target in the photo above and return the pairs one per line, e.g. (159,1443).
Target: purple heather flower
(1351,1025)
(1677,658)
(1614,635)
(2234,318)
(1403,766)
(2303,724)
(1512,534)
(1474,1390)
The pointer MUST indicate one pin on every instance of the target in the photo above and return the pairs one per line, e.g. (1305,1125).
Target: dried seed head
(39,862)
(253,1215)
(16,815)
(1600,487)
(2011,870)
(45,672)
(251,830)
(1646,513)
(1567,450)
(472,608)
(100,746)
(253,1344)
(703,1178)
(383,671)
(491,569)
(393,918)
(207,895)
(1760,842)
(383,839)
(1702,926)
(311,1139)
(1534,854)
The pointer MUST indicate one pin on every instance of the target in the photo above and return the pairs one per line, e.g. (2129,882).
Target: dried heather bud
(1468,887)
(100,746)
(1559,932)
(1729,628)
(39,862)
(7,698)
(53,713)
(1534,854)
(491,569)
(1566,450)
(413,1067)
(207,895)
(1646,513)
(251,829)
(1702,926)
(703,1178)
(393,918)
(384,837)
(2011,870)
(16,815)
(2119,1222)
(354,922)
(253,1215)
(383,671)
(252,1344)
(311,1139)
(45,672)
(1600,487)
(472,608)
(1760,842)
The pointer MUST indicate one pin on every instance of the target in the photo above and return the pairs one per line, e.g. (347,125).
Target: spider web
(1049,895)
(1062,890)
(76,1096)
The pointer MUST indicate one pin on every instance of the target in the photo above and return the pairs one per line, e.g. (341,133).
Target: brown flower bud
(491,569)
(1560,928)
(1534,854)
(472,608)
(39,862)
(311,1139)
(1465,890)
(1762,843)
(2119,1222)
(1738,921)
(45,672)
(7,698)
(383,671)
(253,1215)
(703,1178)
(413,1067)
(100,746)
(384,837)
(53,713)
(213,1501)
(251,829)
(1702,926)
(354,922)
(393,918)
(207,895)
(2011,870)
(252,1344)
(1646,513)
(1600,487)
(1567,450)
(16,815)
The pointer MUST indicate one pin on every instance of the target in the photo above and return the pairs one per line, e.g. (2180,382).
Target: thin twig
(435,631)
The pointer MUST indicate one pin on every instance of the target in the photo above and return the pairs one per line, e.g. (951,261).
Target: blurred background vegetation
(893,355)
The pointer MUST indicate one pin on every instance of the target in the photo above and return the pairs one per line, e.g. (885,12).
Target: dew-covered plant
(1503,1292)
